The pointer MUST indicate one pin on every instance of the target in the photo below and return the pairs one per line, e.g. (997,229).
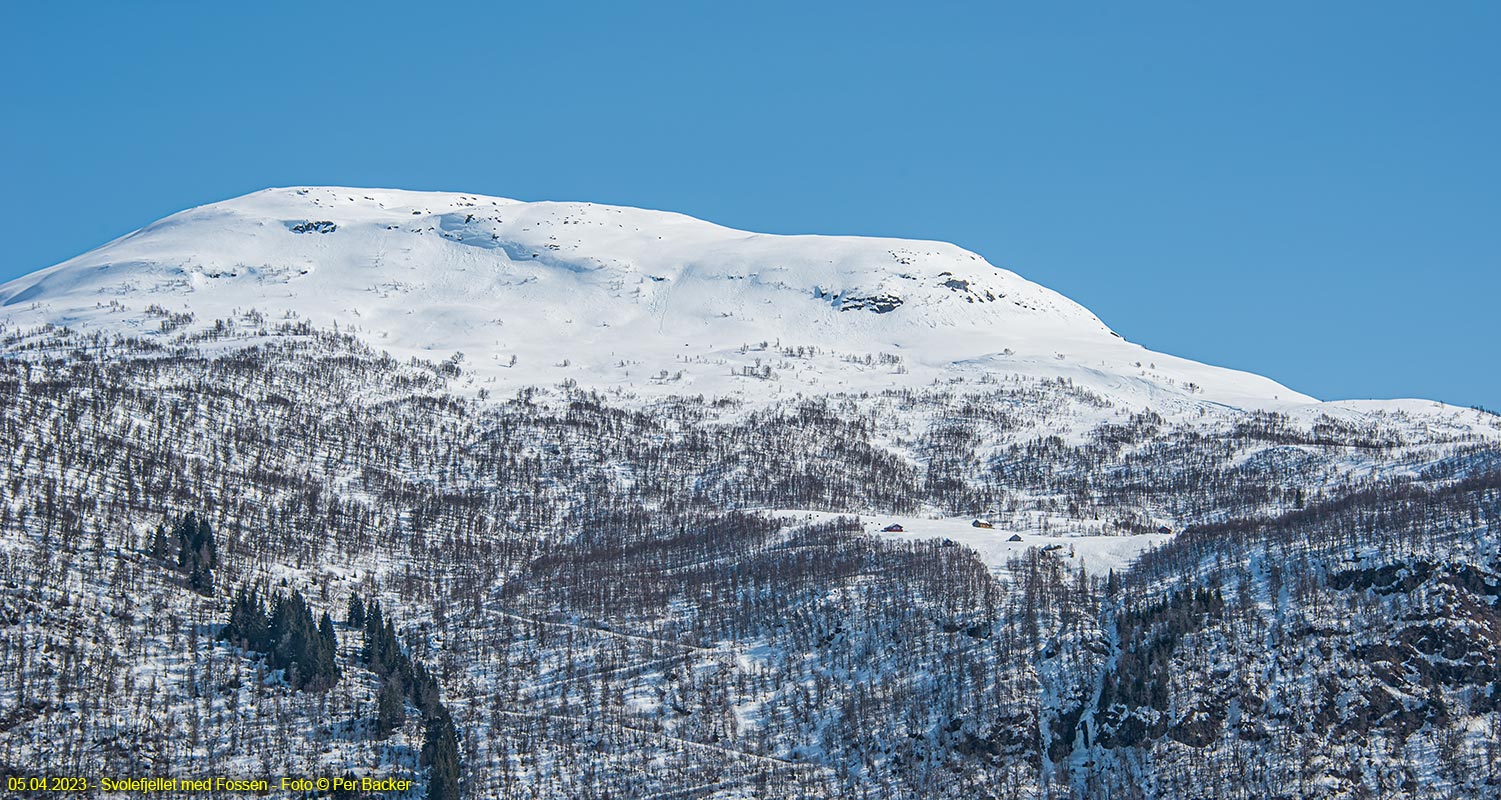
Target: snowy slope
(606,620)
(646,302)
(998,547)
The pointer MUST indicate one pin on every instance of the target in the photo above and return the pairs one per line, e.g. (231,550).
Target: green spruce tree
(440,753)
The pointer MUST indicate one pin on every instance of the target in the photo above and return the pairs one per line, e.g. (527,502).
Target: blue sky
(1311,191)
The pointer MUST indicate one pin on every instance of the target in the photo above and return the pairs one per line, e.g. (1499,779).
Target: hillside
(649,557)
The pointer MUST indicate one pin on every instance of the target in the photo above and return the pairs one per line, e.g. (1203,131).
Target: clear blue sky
(1307,190)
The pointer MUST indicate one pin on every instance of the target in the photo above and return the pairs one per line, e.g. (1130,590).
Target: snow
(1097,553)
(640,304)
(430,273)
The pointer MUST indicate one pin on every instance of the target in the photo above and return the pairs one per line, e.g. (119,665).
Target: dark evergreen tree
(390,707)
(299,647)
(440,753)
(197,554)
(161,548)
(327,634)
(424,693)
(248,626)
(356,615)
(374,630)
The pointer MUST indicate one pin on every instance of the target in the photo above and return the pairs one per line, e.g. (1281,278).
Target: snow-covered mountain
(653,302)
(705,513)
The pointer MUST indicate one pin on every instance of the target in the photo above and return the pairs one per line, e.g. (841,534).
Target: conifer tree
(390,707)
(160,547)
(327,634)
(197,554)
(248,626)
(440,752)
(356,613)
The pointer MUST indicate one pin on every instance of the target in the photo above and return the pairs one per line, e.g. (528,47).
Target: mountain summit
(644,301)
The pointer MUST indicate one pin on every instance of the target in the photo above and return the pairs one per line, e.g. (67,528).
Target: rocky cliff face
(1349,649)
